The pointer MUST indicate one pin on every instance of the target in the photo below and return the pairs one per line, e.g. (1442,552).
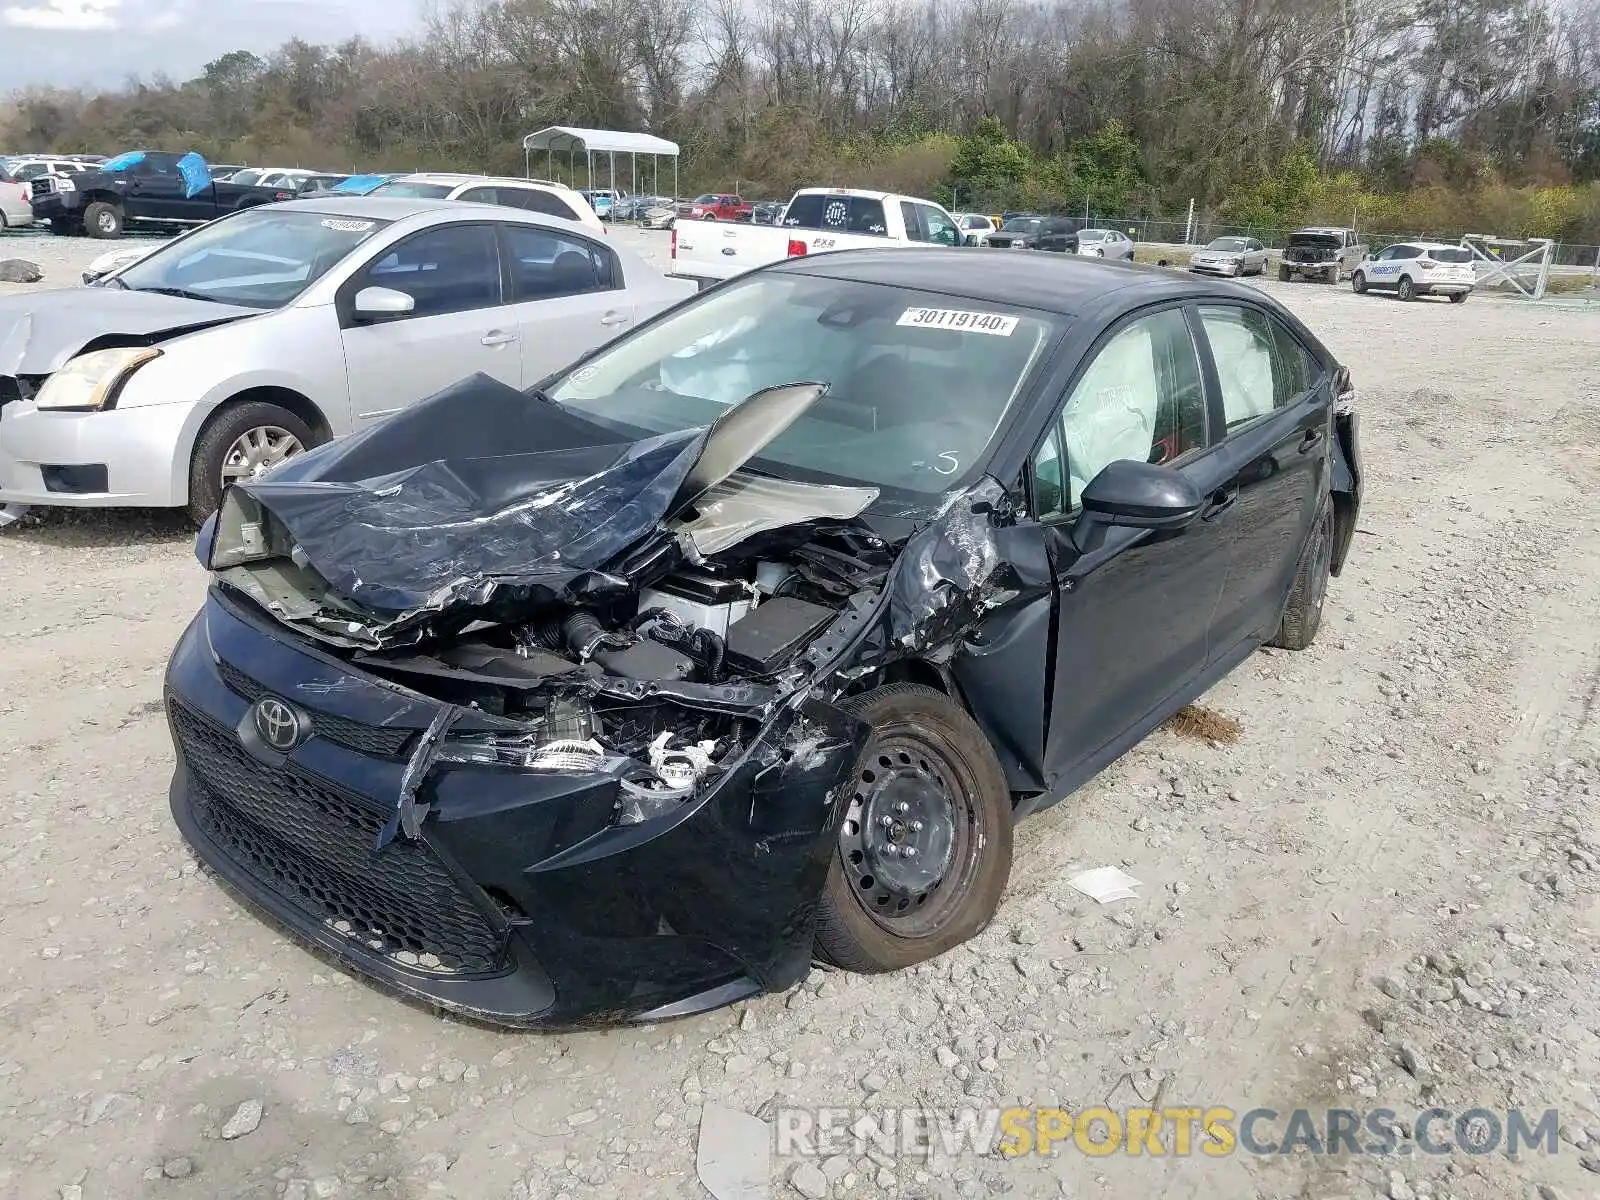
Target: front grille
(42,186)
(312,844)
(379,741)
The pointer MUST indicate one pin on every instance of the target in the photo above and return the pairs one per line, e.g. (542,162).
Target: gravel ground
(1384,894)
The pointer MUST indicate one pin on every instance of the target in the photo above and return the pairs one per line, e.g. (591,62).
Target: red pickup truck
(716,207)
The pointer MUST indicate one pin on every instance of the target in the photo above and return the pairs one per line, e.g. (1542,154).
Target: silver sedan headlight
(90,382)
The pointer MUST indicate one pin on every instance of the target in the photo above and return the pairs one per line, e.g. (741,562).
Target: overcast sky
(72,42)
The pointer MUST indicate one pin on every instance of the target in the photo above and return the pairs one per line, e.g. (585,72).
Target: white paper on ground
(1105,884)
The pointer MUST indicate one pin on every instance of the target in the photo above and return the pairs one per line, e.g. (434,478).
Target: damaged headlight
(529,752)
(677,772)
(89,382)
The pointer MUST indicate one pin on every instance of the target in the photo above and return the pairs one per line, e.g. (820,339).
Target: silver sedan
(264,333)
(1231,256)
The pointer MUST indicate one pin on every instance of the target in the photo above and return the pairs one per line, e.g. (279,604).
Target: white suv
(551,199)
(1413,269)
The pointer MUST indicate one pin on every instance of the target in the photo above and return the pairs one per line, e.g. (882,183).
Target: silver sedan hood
(40,331)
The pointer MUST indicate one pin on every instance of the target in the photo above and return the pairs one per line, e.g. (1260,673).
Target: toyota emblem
(279,725)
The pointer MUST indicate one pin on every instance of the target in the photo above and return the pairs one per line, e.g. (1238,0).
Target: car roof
(1423,244)
(1060,284)
(455,179)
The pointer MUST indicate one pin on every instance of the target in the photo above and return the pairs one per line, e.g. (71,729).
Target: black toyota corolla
(747,638)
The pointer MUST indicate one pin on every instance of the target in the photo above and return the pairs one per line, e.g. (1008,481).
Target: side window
(480,195)
(1050,475)
(450,269)
(1141,398)
(941,229)
(545,264)
(914,230)
(534,200)
(1260,365)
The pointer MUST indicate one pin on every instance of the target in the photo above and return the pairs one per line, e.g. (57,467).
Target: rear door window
(837,214)
(546,264)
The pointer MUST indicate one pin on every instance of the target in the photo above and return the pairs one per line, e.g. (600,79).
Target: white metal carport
(610,142)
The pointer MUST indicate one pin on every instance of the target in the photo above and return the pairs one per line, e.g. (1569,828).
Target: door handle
(496,337)
(1220,501)
(1311,441)
(614,318)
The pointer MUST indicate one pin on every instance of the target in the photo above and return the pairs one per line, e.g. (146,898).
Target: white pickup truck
(816,220)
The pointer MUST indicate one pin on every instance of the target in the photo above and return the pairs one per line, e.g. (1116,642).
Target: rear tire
(218,438)
(102,220)
(1407,290)
(1302,617)
(1459,297)
(931,774)
(1358,283)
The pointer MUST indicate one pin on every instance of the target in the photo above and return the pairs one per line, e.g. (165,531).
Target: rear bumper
(1442,289)
(18,215)
(520,904)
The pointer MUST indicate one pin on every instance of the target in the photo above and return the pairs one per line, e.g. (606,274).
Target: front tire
(1358,283)
(1302,617)
(929,784)
(242,441)
(1407,289)
(1459,297)
(709,217)
(103,220)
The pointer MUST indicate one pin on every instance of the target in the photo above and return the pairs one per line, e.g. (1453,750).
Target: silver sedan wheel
(256,451)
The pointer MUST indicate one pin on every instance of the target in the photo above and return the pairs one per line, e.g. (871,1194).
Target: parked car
(1232,256)
(222,171)
(601,200)
(975,228)
(766,212)
(16,210)
(716,206)
(27,168)
(1103,243)
(141,190)
(1021,232)
(1326,254)
(662,215)
(551,199)
(815,220)
(267,332)
(524,740)
(1412,269)
(315,185)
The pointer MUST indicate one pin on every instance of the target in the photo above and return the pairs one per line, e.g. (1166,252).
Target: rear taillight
(796,247)
(1427,264)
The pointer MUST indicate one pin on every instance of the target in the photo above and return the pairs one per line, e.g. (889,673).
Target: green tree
(989,168)
(1105,171)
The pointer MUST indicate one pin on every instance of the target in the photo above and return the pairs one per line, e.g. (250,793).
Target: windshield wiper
(180,293)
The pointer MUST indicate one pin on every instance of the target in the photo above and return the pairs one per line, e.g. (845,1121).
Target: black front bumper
(520,903)
(49,206)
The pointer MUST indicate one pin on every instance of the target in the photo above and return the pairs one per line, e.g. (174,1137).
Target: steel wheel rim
(917,895)
(256,451)
(106,222)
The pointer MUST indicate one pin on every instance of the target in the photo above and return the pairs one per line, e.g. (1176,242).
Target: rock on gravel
(809,1181)
(19,270)
(178,1168)
(246,1119)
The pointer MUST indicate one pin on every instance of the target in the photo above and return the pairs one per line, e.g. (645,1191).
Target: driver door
(1134,608)
(462,322)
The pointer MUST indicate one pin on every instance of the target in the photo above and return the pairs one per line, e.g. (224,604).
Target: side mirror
(1136,495)
(379,303)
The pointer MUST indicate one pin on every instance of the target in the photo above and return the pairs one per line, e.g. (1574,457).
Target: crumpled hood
(40,331)
(484,501)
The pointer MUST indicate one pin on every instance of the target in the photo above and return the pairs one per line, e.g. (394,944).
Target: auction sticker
(958,319)
(345,225)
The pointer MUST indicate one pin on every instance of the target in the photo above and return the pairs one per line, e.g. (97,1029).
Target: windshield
(918,383)
(1228,245)
(1022,224)
(414,191)
(262,258)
